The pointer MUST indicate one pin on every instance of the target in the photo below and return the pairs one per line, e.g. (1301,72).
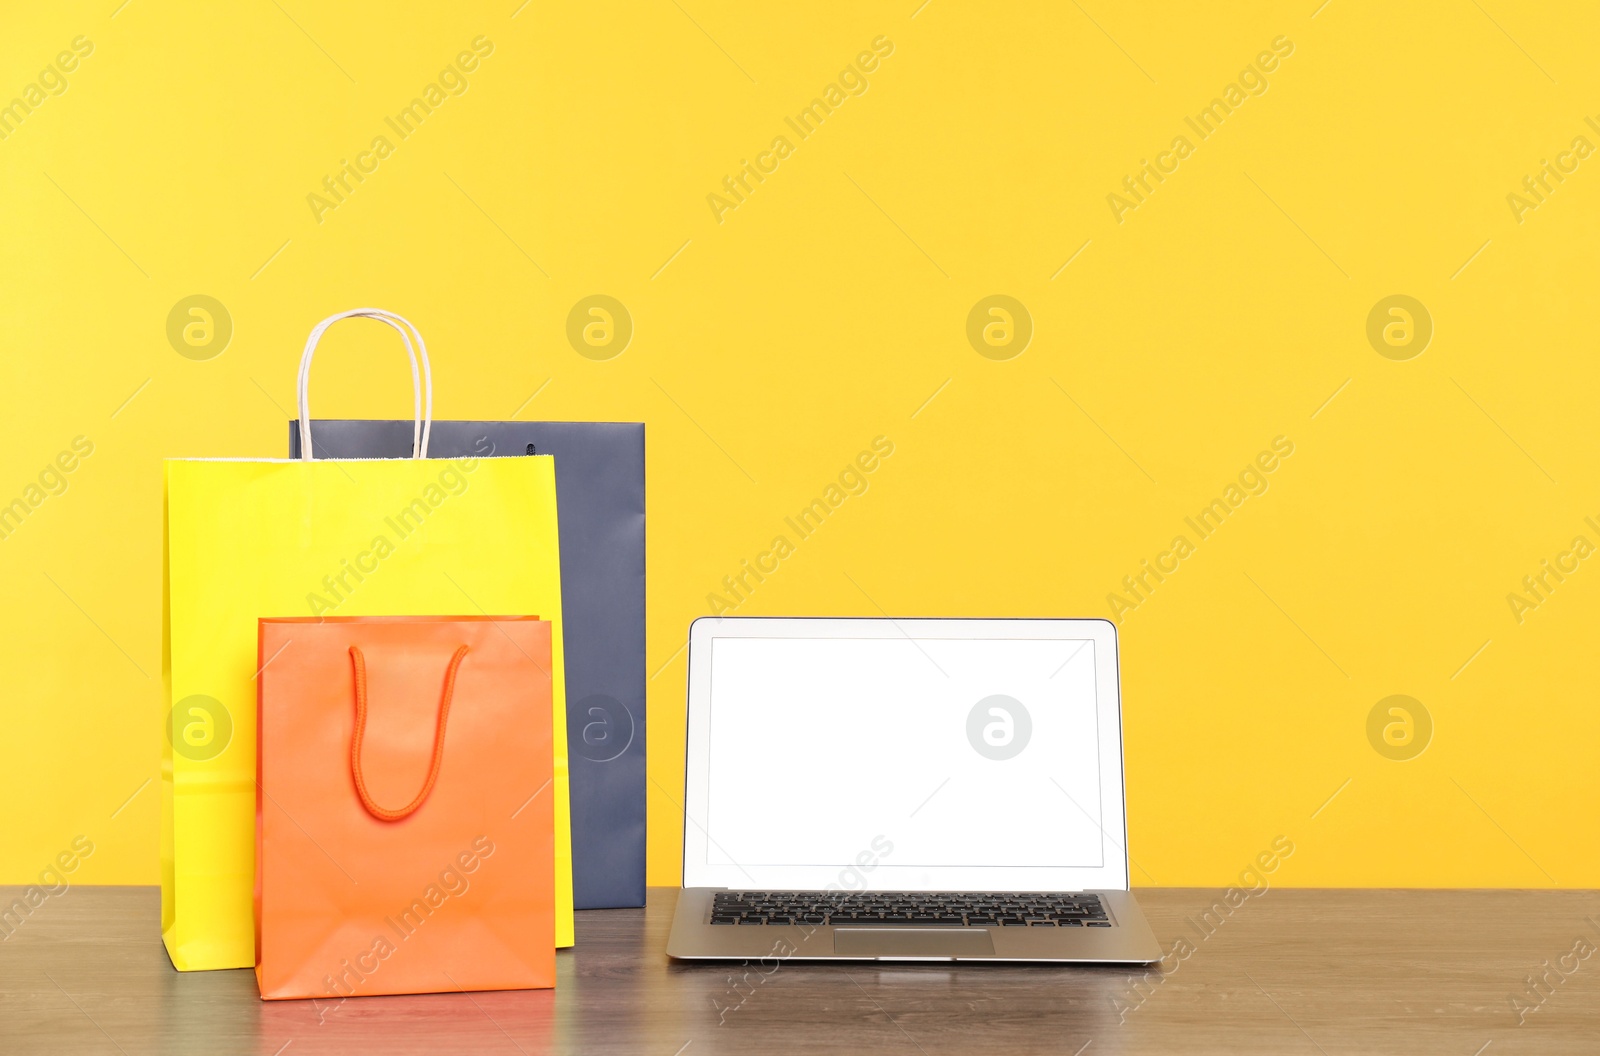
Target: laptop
(905,790)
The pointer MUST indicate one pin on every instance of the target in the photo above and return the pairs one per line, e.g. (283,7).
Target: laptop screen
(900,754)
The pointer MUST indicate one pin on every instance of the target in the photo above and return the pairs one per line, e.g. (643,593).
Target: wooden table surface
(1290,971)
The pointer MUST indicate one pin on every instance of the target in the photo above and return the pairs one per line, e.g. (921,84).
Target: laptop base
(695,938)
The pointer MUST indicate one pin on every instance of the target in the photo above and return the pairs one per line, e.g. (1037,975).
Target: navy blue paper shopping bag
(600,499)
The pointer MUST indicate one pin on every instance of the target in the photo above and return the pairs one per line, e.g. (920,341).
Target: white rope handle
(421,386)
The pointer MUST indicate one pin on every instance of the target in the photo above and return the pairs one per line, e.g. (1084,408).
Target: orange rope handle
(383,813)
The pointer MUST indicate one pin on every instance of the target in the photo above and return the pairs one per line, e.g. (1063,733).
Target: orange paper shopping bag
(404,821)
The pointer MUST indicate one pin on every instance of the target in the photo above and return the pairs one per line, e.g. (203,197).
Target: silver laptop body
(905,790)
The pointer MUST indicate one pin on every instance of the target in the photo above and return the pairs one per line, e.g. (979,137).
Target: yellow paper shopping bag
(397,537)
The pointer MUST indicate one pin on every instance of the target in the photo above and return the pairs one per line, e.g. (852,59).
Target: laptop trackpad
(932,943)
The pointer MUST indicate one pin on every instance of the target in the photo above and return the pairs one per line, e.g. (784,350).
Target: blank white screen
(817,746)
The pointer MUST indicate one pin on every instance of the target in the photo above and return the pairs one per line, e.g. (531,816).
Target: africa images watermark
(736,189)
(51,481)
(1399,727)
(851,481)
(1549,176)
(1552,572)
(453,883)
(1252,81)
(52,80)
(338,586)
(851,878)
(1253,884)
(1252,480)
(53,883)
(199,327)
(1537,989)
(452,80)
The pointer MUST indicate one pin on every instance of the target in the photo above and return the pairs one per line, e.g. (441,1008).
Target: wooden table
(1291,971)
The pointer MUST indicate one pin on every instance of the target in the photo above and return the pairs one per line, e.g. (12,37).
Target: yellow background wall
(1170,345)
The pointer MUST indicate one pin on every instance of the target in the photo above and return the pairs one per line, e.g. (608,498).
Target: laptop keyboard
(877,908)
